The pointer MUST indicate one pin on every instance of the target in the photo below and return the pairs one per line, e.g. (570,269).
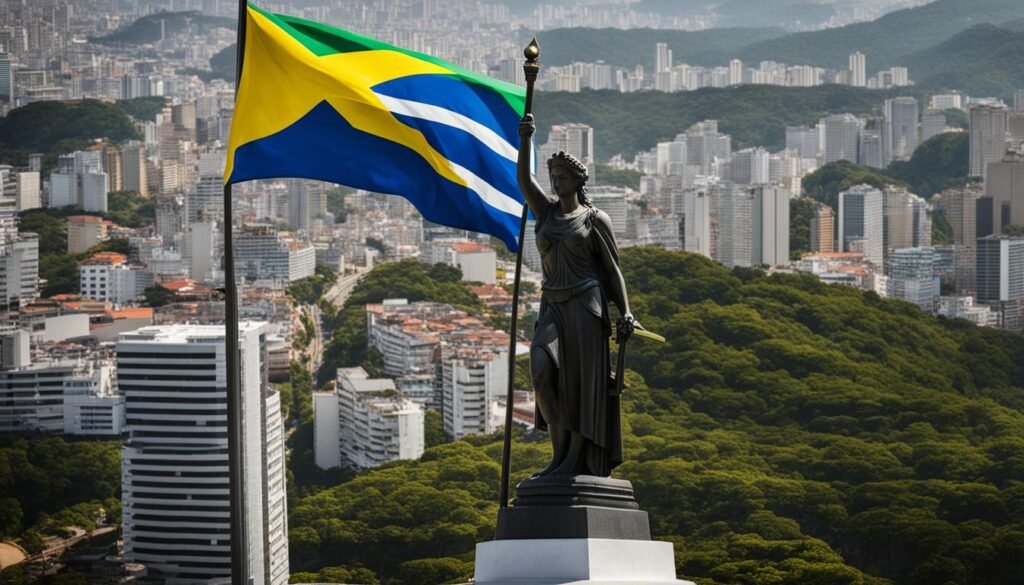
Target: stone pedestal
(574,530)
(575,561)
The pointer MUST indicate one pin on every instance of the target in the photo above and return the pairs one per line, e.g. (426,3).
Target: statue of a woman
(569,357)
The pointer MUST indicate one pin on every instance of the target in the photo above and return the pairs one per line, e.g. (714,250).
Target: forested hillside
(789,432)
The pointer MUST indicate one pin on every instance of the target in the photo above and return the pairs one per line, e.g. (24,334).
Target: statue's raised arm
(532,192)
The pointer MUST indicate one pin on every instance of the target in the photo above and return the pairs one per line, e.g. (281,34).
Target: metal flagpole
(239,536)
(530,68)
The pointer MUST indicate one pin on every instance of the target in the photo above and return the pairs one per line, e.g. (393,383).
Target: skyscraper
(842,137)
(823,226)
(872,151)
(1018,101)
(735,72)
(307,201)
(1000,269)
(6,78)
(959,205)
(858,70)
(770,223)
(662,58)
(906,220)
(735,209)
(900,129)
(933,123)
(988,130)
(803,140)
(697,227)
(912,277)
(1005,185)
(861,220)
(176,514)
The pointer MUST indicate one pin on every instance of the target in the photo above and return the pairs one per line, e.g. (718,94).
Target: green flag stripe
(323,40)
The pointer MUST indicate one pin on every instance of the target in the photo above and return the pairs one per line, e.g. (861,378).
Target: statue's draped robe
(574,328)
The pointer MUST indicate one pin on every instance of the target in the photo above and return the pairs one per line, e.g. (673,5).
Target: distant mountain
(982,60)
(755,115)
(887,41)
(793,14)
(148,28)
(626,48)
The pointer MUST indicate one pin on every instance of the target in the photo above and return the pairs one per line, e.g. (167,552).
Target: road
(339,293)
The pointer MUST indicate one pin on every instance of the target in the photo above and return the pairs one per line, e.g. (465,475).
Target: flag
(317,102)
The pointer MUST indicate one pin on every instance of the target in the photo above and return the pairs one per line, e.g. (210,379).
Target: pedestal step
(575,561)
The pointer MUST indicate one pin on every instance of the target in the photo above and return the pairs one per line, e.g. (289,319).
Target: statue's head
(569,175)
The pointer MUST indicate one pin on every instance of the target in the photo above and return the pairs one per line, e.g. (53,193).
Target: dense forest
(789,432)
(151,28)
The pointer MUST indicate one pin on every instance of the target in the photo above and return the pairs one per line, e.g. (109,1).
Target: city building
(109,277)
(263,253)
(697,229)
(1000,269)
(750,166)
(900,136)
(574,139)
(735,210)
(705,146)
(858,70)
(770,222)
(823,229)
(176,508)
(933,123)
(612,201)
(992,130)
(1004,186)
(841,137)
(474,376)
(906,220)
(912,277)
(872,149)
(84,232)
(861,223)
(802,140)
(19,266)
(307,202)
(365,422)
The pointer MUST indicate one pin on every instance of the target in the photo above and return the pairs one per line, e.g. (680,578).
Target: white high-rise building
(19,267)
(861,223)
(912,277)
(134,165)
(40,396)
(735,72)
(770,219)
(841,137)
(662,58)
(472,378)
(992,131)
(176,508)
(27,193)
(612,200)
(803,140)
(750,166)
(261,253)
(95,189)
(697,227)
(858,70)
(900,129)
(109,277)
(365,422)
(734,245)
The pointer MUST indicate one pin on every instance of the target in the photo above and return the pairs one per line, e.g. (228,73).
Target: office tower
(705,145)
(113,166)
(84,232)
(261,253)
(176,507)
(735,72)
(735,210)
(861,222)
(575,139)
(947,101)
(19,267)
(750,166)
(671,156)
(872,151)
(1000,269)
(109,277)
(307,201)
(988,129)
(27,190)
(204,240)
(899,129)
(1005,187)
(697,229)
(912,277)
(959,205)
(6,78)
(134,166)
(858,70)
(1018,101)
(770,222)
(612,200)
(906,220)
(802,140)
(933,123)
(365,422)
(47,396)
(823,226)
(662,58)
(841,137)
(94,191)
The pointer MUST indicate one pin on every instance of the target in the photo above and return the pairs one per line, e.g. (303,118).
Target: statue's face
(564,182)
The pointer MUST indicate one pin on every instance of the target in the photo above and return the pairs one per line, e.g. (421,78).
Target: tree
(157,296)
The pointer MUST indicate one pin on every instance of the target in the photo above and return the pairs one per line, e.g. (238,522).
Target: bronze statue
(569,357)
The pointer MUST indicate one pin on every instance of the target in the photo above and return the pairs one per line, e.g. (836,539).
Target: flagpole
(236,472)
(530,68)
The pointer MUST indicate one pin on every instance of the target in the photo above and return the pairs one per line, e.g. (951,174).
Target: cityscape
(824,219)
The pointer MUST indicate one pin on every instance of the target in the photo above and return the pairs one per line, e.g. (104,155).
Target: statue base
(575,561)
(573,507)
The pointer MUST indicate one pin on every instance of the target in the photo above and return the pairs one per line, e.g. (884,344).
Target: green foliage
(223,63)
(755,115)
(939,163)
(54,128)
(888,41)
(627,48)
(607,176)
(408,279)
(157,296)
(801,212)
(956,118)
(433,430)
(147,29)
(788,432)
(826,183)
(55,483)
(130,209)
(310,290)
(1014,229)
(336,203)
(359,575)
(942,232)
(143,108)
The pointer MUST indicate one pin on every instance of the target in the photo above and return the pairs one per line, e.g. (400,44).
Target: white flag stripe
(431,113)
(488,193)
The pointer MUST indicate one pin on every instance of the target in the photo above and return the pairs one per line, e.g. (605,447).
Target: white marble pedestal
(575,561)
